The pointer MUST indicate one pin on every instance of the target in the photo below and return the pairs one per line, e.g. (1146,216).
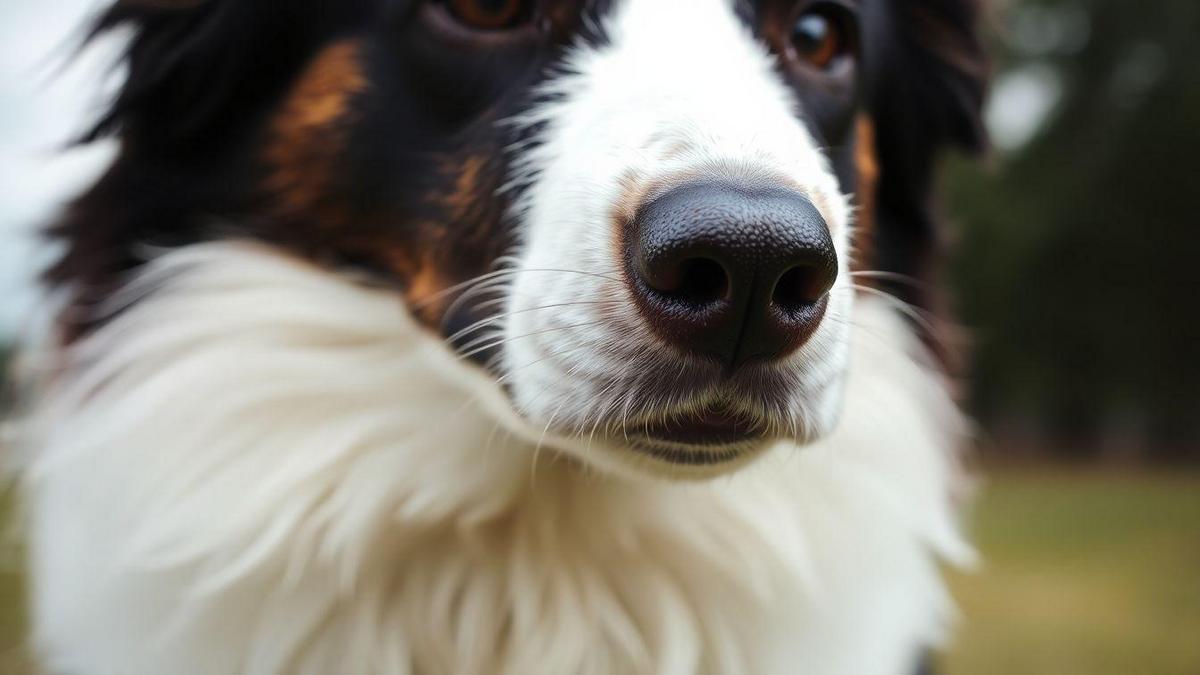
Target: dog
(505,337)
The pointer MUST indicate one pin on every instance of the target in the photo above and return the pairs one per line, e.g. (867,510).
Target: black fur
(927,79)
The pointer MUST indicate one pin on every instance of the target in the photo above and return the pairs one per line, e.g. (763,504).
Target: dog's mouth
(617,399)
(709,436)
(712,426)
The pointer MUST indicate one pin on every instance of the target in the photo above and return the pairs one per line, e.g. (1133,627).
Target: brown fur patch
(458,238)
(423,279)
(866,164)
(307,144)
(462,204)
(308,134)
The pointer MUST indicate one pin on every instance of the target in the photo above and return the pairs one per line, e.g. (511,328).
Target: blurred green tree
(1074,267)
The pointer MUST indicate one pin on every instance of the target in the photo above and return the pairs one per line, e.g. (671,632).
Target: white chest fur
(259,468)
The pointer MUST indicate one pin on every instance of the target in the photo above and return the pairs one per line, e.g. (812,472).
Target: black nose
(735,273)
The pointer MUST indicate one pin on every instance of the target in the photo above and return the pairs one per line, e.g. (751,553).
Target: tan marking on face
(632,196)
(421,280)
(866,163)
(469,174)
(423,287)
(308,133)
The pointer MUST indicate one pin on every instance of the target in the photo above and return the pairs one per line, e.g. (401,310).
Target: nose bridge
(696,76)
(701,52)
(679,30)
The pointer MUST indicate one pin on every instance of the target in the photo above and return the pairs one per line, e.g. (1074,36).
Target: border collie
(505,337)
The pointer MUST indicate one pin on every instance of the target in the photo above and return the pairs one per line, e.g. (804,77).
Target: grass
(13,655)
(1086,574)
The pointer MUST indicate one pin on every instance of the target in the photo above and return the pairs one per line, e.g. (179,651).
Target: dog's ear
(928,77)
(198,69)
(199,77)
(933,73)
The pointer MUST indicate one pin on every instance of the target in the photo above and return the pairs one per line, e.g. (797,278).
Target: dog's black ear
(928,77)
(199,69)
(200,77)
(933,72)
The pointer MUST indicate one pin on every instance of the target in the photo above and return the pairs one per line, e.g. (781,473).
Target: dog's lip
(713,429)
(694,455)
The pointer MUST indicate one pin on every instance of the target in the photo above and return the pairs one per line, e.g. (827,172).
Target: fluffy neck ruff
(258,467)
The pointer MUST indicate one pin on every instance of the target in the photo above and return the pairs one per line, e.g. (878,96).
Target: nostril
(800,287)
(698,281)
(704,281)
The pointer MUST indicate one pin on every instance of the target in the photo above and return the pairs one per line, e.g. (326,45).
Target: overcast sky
(41,105)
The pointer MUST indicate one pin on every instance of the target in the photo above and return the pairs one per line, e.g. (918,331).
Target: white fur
(259,467)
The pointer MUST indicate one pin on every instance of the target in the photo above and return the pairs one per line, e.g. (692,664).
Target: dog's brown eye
(820,38)
(489,14)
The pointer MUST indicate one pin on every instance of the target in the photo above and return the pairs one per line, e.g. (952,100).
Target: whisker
(909,310)
(508,374)
(482,323)
(493,282)
(537,450)
(489,286)
(498,343)
(891,276)
(501,273)
(426,302)
(924,319)
(495,324)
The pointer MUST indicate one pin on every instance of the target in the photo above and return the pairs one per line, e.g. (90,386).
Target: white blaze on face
(680,92)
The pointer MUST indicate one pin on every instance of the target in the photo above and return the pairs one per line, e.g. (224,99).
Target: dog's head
(640,216)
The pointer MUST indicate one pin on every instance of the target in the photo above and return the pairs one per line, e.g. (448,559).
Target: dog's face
(636,215)
(682,185)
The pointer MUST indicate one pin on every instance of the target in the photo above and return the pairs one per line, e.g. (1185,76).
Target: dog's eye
(489,14)
(821,38)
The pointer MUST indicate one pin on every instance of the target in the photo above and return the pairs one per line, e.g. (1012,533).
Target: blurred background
(1072,273)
